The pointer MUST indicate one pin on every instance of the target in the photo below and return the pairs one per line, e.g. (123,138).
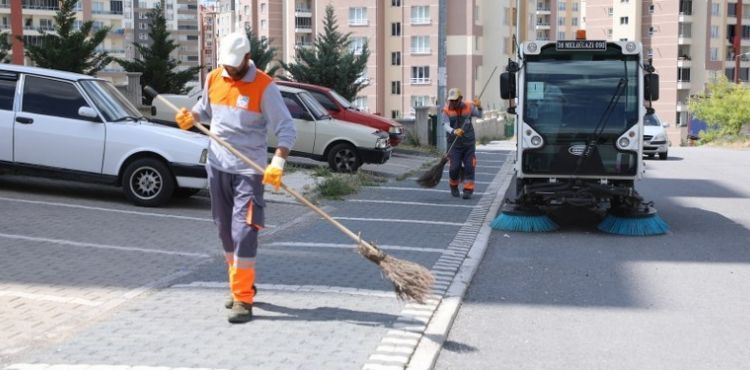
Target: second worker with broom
(456,118)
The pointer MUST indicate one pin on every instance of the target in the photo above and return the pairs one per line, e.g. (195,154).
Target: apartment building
(549,19)
(207,17)
(37,16)
(690,42)
(182,23)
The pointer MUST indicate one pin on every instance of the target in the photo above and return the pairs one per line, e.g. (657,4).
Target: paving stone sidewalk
(320,306)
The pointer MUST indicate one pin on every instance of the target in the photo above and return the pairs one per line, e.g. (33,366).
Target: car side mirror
(88,112)
(651,87)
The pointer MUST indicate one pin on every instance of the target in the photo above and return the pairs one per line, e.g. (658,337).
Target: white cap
(454,94)
(233,48)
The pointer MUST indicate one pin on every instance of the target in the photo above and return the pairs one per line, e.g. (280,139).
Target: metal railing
(420,81)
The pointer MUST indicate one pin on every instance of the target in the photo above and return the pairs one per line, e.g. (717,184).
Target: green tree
(157,67)
(725,108)
(69,49)
(4,47)
(262,53)
(331,62)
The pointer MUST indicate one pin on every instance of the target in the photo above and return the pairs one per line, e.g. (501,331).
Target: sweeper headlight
(536,140)
(204,156)
(624,142)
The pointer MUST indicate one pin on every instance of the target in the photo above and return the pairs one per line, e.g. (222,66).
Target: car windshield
(344,103)
(315,108)
(110,102)
(650,120)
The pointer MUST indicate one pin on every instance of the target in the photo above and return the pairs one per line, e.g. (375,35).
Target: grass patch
(486,140)
(418,171)
(339,185)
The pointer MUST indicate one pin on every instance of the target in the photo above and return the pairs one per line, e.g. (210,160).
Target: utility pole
(442,73)
(738,42)
(16,26)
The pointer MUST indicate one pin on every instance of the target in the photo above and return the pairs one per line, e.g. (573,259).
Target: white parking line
(351,246)
(446,180)
(101,246)
(479,173)
(414,189)
(49,298)
(409,203)
(316,289)
(97,367)
(113,210)
(425,222)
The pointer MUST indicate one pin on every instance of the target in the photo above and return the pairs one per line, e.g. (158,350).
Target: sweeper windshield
(573,98)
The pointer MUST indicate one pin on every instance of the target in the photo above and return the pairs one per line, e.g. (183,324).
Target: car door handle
(24,120)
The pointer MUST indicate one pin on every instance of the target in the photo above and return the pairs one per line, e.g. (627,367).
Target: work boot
(468,193)
(455,192)
(241,312)
(230,301)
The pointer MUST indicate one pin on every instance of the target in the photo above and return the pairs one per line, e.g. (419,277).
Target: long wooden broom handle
(258,168)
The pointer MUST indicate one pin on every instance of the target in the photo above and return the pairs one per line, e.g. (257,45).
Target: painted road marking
(351,246)
(49,298)
(414,189)
(409,203)
(101,246)
(97,367)
(424,222)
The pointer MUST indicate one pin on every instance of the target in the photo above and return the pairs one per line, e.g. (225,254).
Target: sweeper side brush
(523,219)
(642,221)
(410,280)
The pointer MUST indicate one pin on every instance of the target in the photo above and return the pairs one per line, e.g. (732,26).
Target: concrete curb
(428,349)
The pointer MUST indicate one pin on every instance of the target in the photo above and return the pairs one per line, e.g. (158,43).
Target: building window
(651,8)
(420,101)
(623,20)
(609,33)
(561,6)
(396,87)
(396,58)
(360,103)
(624,1)
(574,21)
(561,35)
(610,11)
(651,31)
(714,54)
(714,32)
(683,74)
(358,16)
(575,7)
(357,45)
(396,29)
(420,14)
(263,8)
(715,9)
(561,21)
(395,114)
(420,75)
(395,2)
(142,36)
(420,45)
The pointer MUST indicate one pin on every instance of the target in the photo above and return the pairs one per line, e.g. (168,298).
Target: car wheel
(185,193)
(344,158)
(147,182)
(663,156)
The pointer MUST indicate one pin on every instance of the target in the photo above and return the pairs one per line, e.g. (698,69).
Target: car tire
(147,182)
(344,158)
(663,156)
(184,193)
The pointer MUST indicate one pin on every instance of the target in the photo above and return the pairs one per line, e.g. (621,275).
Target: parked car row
(74,126)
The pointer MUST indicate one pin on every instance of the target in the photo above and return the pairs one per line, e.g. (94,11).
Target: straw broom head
(432,177)
(410,280)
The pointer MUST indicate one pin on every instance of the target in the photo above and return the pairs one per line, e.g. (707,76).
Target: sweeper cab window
(574,97)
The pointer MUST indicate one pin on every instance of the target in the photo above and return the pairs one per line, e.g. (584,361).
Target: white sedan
(74,126)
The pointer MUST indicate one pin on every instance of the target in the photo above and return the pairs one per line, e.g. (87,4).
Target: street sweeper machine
(579,106)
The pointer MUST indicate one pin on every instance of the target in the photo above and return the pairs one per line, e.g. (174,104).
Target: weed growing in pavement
(486,140)
(339,185)
(424,167)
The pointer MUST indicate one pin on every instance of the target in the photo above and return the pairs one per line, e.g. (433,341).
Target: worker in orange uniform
(242,104)
(456,120)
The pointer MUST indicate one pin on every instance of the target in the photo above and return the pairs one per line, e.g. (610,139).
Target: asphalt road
(580,299)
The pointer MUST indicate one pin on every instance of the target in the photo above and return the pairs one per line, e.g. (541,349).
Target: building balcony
(358,22)
(682,107)
(684,62)
(420,81)
(683,85)
(303,29)
(420,51)
(303,12)
(542,26)
(421,21)
(685,18)
(684,39)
